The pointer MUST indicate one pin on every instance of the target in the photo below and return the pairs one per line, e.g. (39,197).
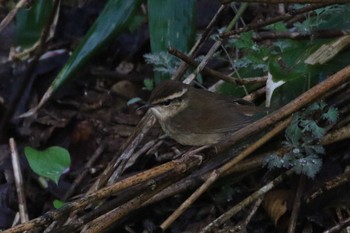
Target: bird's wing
(224,117)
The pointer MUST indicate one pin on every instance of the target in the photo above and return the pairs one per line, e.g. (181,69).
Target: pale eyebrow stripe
(173,96)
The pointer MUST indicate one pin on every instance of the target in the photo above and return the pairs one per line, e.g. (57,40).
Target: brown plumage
(193,116)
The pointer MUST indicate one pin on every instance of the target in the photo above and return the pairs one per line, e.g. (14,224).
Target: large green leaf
(112,21)
(30,22)
(171,24)
(49,163)
(289,64)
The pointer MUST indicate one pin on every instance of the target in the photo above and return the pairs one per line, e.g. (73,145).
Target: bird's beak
(146,106)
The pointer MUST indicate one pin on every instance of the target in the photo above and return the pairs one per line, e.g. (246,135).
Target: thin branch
(214,47)
(214,73)
(340,226)
(103,222)
(296,205)
(336,135)
(284,17)
(335,182)
(204,36)
(298,35)
(247,201)
(22,204)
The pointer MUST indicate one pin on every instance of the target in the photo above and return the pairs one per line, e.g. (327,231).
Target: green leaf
(314,150)
(112,20)
(293,132)
(171,24)
(305,153)
(57,204)
(30,22)
(255,55)
(278,27)
(245,41)
(316,130)
(331,115)
(280,70)
(308,166)
(334,16)
(274,161)
(289,64)
(49,163)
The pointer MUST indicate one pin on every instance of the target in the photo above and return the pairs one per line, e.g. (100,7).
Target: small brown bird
(197,117)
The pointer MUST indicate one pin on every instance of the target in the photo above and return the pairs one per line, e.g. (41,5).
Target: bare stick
(329,185)
(247,201)
(104,221)
(296,205)
(215,46)
(22,204)
(340,226)
(336,135)
(299,35)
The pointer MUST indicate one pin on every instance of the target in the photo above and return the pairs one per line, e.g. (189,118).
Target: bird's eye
(166,102)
